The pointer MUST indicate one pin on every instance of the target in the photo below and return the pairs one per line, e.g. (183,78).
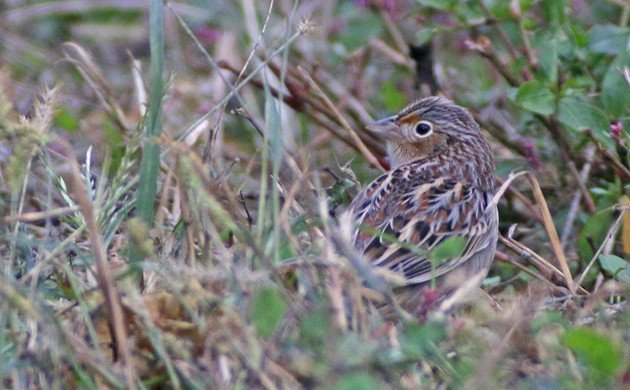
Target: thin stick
(506,259)
(609,235)
(575,203)
(37,216)
(364,150)
(539,262)
(551,232)
(588,199)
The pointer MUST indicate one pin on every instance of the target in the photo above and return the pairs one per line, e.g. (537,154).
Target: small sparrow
(441,185)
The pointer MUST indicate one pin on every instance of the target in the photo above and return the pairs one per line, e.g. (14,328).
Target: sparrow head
(425,128)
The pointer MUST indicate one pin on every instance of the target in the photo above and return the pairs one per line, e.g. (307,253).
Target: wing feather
(405,214)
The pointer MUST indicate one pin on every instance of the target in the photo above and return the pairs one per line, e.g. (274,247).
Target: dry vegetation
(171,177)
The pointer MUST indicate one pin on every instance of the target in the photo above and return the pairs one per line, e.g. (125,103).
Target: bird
(440,185)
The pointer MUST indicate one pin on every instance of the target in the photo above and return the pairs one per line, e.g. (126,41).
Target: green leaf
(594,349)
(66,120)
(268,309)
(594,230)
(450,248)
(424,35)
(534,96)
(608,39)
(314,327)
(553,10)
(360,30)
(419,340)
(579,114)
(548,318)
(546,44)
(357,381)
(443,5)
(393,97)
(615,90)
(616,266)
(470,14)
(500,10)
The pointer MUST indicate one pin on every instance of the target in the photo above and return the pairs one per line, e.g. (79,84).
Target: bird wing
(405,214)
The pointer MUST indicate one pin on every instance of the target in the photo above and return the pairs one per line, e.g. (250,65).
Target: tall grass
(248,277)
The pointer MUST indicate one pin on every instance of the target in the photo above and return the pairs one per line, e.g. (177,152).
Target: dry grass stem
(331,106)
(105,280)
(552,232)
(40,216)
(84,63)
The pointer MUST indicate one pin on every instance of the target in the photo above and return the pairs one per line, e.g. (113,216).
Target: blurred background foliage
(242,283)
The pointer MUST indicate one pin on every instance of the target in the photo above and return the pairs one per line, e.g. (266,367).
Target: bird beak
(386,128)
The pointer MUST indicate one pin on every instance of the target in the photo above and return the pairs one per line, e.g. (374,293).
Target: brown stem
(104,276)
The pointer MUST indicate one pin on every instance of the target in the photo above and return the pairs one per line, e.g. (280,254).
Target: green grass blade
(150,163)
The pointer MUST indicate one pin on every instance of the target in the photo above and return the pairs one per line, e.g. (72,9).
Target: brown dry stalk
(588,199)
(296,82)
(551,231)
(506,259)
(390,53)
(619,169)
(344,123)
(535,213)
(547,222)
(37,216)
(105,279)
(319,111)
(542,264)
(489,54)
(85,65)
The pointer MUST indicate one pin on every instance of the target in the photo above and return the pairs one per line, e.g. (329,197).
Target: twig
(506,259)
(37,216)
(252,29)
(484,48)
(364,150)
(560,138)
(393,30)
(544,266)
(547,222)
(618,167)
(551,232)
(504,37)
(393,55)
(313,108)
(335,293)
(244,113)
(575,203)
(83,62)
(588,199)
(609,235)
(529,52)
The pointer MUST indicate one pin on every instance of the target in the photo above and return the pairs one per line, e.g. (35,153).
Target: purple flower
(208,35)
(615,131)
(530,152)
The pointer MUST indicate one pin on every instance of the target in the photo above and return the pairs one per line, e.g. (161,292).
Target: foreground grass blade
(150,162)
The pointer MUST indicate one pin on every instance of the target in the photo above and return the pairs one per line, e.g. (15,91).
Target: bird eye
(424,128)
